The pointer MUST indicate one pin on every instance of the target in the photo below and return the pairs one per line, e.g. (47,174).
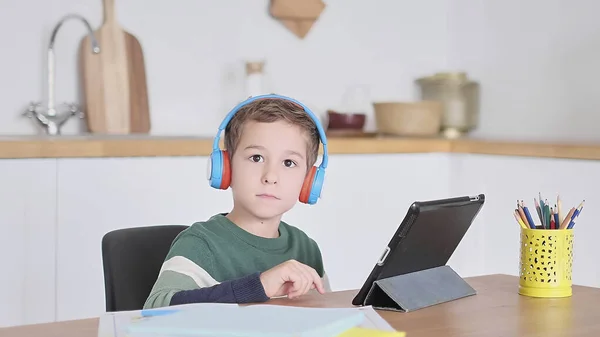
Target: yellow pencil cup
(546,262)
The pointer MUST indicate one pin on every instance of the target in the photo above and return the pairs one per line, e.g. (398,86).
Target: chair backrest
(132,258)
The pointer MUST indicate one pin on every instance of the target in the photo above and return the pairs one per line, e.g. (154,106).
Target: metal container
(460,98)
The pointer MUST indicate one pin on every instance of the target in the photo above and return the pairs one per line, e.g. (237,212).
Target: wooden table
(497,310)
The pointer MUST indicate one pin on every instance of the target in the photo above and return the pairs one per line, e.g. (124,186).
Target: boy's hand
(291,278)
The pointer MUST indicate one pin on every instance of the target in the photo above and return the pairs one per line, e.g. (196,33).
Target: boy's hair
(270,110)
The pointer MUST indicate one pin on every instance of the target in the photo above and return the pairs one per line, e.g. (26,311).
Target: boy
(249,254)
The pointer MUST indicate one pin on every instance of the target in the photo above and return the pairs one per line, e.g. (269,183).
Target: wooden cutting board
(114,80)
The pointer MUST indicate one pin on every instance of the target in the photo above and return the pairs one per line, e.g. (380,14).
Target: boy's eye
(289,163)
(257,158)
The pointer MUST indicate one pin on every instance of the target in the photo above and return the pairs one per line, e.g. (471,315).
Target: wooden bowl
(422,118)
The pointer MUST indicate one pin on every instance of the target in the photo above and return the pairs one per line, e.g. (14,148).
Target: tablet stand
(417,290)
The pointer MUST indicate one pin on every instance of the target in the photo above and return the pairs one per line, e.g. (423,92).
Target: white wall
(195,50)
(537,62)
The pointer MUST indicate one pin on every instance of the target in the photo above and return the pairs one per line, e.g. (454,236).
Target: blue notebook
(248,321)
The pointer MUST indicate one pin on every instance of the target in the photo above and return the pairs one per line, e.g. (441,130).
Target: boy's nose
(270,181)
(270,176)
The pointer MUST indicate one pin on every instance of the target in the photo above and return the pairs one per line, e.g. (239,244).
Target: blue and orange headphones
(219,174)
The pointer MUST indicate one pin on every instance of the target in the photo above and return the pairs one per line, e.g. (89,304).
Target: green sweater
(217,261)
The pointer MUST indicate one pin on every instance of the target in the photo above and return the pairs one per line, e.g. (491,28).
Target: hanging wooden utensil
(297,15)
(114,81)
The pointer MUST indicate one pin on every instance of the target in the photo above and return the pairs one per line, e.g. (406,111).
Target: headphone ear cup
(317,186)
(305,192)
(220,171)
(214,169)
(226,172)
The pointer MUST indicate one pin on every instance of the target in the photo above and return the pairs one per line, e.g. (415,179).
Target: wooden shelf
(160,146)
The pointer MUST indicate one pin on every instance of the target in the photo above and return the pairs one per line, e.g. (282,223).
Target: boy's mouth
(267,196)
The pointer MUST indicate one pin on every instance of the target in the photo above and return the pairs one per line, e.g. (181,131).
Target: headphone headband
(233,111)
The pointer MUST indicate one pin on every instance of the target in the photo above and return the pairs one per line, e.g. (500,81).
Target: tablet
(426,238)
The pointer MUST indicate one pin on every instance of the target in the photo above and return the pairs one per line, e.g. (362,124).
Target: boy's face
(268,168)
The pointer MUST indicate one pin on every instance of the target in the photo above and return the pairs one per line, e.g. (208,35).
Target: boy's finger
(308,278)
(317,281)
(297,288)
(320,287)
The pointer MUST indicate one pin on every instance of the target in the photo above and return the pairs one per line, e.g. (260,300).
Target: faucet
(50,119)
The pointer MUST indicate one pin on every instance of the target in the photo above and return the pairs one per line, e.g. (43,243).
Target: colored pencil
(575,215)
(537,208)
(560,212)
(546,214)
(551,218)
(530,221)
(519,220)
(567,218)
(522,215)
(542,209)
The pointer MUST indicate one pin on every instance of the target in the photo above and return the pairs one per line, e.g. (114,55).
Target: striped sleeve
(247,289)
(184,278)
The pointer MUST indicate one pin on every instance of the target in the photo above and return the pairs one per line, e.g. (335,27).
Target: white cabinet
(96,196)
(27,241)
(55,213)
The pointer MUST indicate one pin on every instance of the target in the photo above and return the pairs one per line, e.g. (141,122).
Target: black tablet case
(419,289)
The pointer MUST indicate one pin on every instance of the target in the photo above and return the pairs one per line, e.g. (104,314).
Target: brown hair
(268,111)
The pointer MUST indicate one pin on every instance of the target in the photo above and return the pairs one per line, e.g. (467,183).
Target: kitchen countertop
(23,147)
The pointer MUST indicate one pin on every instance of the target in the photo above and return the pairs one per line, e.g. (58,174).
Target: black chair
(132,258)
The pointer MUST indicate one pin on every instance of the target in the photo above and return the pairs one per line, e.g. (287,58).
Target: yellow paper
(362,332)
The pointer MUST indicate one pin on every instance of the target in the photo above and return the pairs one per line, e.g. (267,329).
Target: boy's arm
(247,289)
(184,278)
